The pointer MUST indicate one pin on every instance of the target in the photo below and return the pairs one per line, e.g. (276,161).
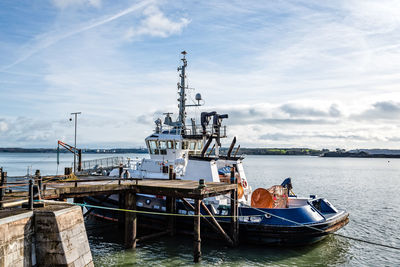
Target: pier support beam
(121,214)
(197,238)
(234,218)
(171,204)
(130,220)
(171,208)
(3,182)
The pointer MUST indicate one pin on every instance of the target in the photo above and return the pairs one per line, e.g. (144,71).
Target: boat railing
(210,130)
(193,130)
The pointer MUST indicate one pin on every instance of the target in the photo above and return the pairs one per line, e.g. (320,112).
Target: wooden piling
(3,182)
(171,208)
(121,215)
(121,169)
(79,160)
(130,220)
(171,205)
(234,218)
(30,195)
(197,238)
(234,208)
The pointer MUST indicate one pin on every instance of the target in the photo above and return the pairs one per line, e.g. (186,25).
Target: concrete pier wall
(61,238)
(16,233)
(51,236)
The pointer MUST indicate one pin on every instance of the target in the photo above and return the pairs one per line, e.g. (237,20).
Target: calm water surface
(367,188)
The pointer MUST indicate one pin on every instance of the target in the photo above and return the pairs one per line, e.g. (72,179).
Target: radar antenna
(182,87)
(182,91)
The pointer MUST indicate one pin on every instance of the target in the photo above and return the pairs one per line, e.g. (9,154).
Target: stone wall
(51,236)
(16,232)
(61,238)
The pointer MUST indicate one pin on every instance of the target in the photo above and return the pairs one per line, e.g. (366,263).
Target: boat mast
(182,92)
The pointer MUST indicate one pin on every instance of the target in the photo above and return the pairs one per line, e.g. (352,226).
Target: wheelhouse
(166,146)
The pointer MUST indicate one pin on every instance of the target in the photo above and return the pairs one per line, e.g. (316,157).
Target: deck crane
(73,150)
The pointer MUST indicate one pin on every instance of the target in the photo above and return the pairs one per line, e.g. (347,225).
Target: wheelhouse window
(185,145)
(178,145)
(199,145)
(152,144)
(170,144)
(163,147)
(193,145)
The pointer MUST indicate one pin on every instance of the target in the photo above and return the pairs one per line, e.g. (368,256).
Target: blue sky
(320,74)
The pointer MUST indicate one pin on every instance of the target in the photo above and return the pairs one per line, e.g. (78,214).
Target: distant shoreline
(87,151)
(364,153)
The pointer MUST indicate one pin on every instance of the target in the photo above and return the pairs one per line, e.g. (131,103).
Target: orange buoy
(261,199)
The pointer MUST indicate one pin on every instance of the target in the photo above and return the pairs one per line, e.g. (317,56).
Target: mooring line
(150,212)
(320,230)
(230,216)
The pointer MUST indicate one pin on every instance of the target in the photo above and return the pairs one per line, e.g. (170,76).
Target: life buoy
(240,191)
(244,183)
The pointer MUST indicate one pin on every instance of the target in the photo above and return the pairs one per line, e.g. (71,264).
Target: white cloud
(68,3)
(374,16)
(48,39)
(156,24)
(3,126)
(297,73)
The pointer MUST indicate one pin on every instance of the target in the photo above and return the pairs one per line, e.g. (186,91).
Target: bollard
(30,194)
(38,180)
(201,184)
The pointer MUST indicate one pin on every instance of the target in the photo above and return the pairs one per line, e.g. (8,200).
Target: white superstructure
(187,149)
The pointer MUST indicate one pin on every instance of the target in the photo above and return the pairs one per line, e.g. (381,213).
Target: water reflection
(177,251)
(366,188)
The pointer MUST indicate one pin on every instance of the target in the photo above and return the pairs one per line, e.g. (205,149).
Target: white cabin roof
(162,136)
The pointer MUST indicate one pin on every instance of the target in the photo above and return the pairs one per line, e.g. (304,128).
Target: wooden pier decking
(93,185)
(127,189)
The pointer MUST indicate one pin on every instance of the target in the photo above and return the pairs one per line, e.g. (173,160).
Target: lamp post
(76,123)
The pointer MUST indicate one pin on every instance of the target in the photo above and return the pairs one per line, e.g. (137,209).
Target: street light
(76,122)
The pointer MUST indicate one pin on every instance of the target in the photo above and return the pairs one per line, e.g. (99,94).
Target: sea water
(367,188)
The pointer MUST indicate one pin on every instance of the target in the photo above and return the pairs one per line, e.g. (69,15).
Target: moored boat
(189,151)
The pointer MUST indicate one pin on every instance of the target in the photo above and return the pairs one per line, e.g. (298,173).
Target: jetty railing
(111,162)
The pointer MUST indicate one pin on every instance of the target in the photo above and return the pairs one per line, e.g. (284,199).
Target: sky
(318,74)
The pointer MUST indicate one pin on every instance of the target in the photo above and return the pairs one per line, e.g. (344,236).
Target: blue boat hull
(261,226)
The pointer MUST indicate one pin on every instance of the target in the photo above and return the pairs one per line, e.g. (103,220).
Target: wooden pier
(127,189)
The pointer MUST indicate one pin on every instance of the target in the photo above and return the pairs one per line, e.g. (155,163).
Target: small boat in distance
(191,150)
